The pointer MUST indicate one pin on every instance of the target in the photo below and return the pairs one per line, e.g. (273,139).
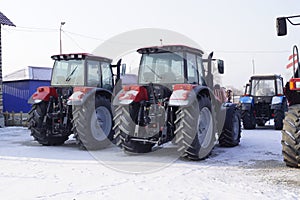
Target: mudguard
(186,94)
(81,94)
(42,94)
(246,102)
(129,94)
(278,102)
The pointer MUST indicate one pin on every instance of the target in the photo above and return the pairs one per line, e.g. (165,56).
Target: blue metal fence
(17,93)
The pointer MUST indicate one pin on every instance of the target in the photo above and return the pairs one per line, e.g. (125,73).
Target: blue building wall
(17,93)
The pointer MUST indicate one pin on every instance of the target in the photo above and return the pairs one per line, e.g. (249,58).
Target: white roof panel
(30,73)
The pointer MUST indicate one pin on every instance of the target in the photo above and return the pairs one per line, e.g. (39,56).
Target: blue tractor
(263,100)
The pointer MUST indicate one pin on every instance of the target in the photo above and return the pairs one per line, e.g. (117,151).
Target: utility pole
(60,44)
(253,66)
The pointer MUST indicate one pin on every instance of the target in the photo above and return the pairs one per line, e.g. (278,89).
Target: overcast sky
(241,32)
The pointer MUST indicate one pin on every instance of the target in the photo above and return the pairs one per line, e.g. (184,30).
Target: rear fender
(130,94)
(246,106)
(81,94)
(42,93)
(246,102)
(186,94)
(278,102)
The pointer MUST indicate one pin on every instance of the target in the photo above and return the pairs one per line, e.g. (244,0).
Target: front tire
(93,123)
(231,132)
(42,131)
(195,129)
(291,137)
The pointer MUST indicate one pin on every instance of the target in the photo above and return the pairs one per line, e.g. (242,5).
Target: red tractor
(291,124)
(77,102)
(175,99)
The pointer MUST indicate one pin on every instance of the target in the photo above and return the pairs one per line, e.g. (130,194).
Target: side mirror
(281,26)
(118,65)
(221,66)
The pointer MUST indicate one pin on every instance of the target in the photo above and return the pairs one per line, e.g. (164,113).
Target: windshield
(263,87)
(68,72)
(161,68)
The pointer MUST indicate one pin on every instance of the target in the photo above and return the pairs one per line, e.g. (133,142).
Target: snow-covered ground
(253,170)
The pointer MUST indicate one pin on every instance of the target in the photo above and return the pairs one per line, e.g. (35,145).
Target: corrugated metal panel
(17,93)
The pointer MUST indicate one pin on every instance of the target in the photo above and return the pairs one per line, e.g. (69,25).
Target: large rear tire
(40,130)
(278,119)
(195,131)
(93,123)
(231,132)
(248,119)
(124,129)
(291,137)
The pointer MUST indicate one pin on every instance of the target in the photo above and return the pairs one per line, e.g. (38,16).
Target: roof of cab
(265,76)
(170,48)
(79,56)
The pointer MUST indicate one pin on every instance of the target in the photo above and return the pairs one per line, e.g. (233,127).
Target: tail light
(44,93)
(187,87)
(295,84)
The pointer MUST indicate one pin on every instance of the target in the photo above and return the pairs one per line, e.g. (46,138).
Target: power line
(252,51)
(85,36)
(90,37)
(73,41)
(37,28)
(68,33)
(29,29)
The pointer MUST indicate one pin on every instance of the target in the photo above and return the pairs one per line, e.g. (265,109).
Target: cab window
(93,75)
(106,76)
(192,69)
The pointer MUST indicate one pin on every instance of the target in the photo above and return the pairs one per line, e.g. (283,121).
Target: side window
(93,74)
(200,70)
(192,68)
(247,89)
(106,76)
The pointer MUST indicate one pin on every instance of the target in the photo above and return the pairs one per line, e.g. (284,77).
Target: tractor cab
(169,65)
(82,70)
(268,86)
